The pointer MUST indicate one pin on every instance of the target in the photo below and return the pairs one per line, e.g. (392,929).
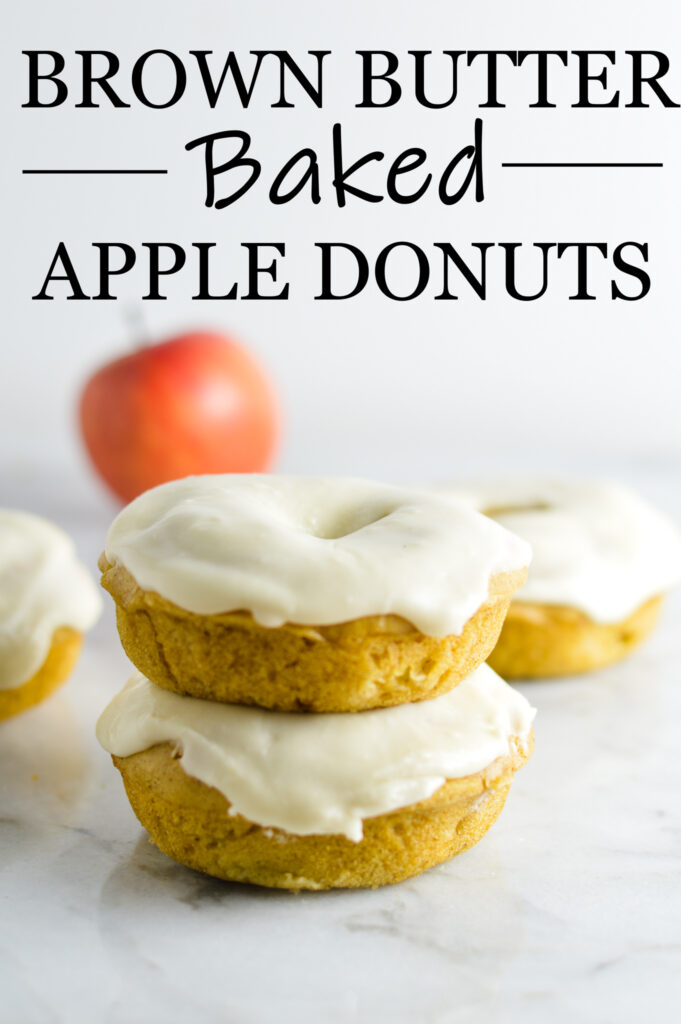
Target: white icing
(596,546)
(42,586)
(312,551)
(323,774)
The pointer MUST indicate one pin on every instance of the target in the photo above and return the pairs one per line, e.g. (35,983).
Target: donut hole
(511,510)
(348,522)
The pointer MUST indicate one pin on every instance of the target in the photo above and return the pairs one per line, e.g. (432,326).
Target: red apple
(198,403)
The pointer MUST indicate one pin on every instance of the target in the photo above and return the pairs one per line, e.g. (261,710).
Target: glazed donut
(602,558)
(47,601)
(307,594)
(300,801)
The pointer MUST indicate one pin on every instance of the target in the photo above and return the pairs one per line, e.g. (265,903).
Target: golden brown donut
(371,662)
(189,821)
(57,667)
(539,641)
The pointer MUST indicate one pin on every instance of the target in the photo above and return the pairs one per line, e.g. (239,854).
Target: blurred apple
(198,403)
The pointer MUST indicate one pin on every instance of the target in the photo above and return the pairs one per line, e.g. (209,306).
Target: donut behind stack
(602,560)
(296,595)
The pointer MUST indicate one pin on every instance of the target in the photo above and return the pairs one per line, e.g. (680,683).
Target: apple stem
(133,314)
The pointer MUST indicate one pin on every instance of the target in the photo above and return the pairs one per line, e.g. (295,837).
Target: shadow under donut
(351,951)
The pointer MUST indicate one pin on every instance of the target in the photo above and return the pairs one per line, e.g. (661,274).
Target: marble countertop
(568,910)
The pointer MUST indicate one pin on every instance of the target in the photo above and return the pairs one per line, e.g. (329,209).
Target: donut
(47,601)
(306,594)
(300,801)
(602,559)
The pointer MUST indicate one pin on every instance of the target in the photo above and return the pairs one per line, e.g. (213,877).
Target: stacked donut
(312,709)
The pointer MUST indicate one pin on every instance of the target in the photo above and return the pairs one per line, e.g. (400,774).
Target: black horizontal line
(94,170)
(590,164)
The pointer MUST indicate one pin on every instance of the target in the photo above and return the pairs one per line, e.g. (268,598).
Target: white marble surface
(568,910)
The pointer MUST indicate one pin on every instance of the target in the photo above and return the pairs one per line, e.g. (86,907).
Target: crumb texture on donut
(377,661)
(190,822)
(57,667)
(541,641)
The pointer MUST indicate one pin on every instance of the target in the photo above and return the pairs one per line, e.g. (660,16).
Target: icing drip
(312,551)
(323,774)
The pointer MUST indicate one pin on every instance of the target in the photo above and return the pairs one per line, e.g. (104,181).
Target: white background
(410,389)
